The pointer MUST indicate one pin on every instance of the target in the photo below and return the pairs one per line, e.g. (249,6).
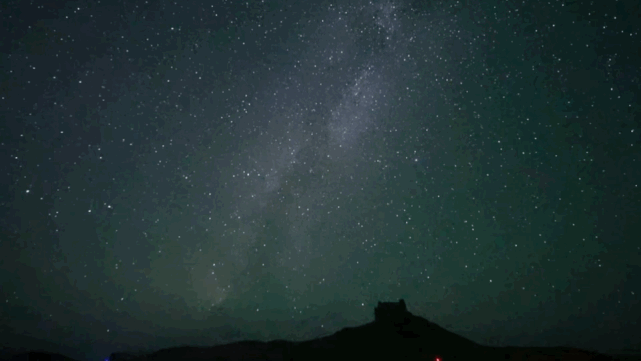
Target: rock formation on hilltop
(391,313)
(395,334)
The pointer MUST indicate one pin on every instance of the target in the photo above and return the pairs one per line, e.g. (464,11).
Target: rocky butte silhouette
(395,334)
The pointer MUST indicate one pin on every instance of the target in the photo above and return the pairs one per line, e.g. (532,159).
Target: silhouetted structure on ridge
(391,312)
(395,334)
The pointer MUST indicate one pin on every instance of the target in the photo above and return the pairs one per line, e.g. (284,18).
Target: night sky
(187,173)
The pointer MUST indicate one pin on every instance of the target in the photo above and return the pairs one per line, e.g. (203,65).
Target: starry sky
(202,172)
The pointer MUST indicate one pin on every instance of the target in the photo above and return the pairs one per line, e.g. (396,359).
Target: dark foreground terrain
(397,336)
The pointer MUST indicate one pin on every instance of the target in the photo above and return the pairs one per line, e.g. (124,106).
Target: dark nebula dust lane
(189,173)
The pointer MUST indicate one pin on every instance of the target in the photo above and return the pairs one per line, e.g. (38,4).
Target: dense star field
(202,172)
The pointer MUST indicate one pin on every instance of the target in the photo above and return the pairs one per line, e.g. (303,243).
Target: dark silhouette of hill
(40,356)
(21,346)
(395,334)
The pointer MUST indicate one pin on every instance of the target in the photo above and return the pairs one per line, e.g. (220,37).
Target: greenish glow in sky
(189,173)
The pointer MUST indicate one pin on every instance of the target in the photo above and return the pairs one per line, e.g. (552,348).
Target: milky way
(194,173)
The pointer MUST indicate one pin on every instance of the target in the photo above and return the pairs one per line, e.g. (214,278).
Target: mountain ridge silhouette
(395,334)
